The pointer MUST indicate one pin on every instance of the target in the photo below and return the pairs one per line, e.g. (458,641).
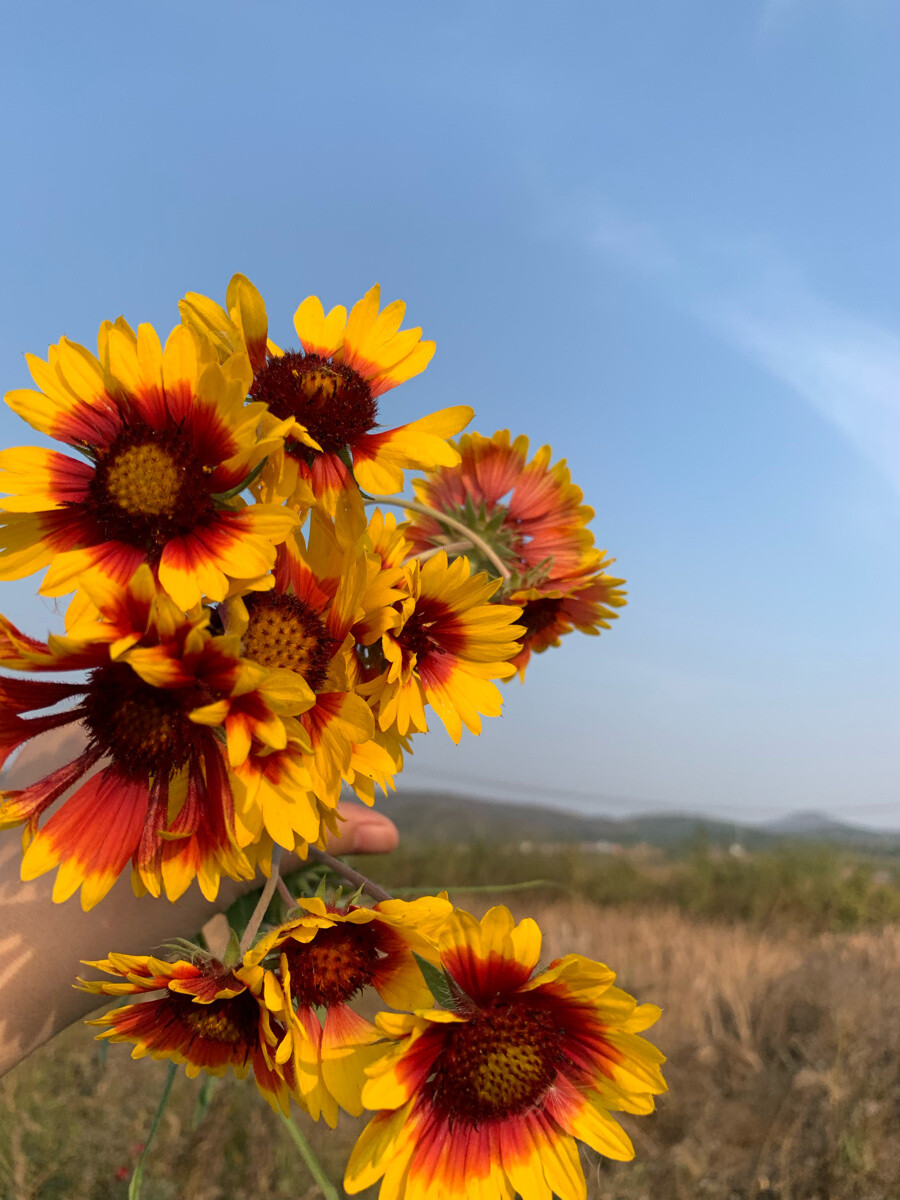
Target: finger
(364,831)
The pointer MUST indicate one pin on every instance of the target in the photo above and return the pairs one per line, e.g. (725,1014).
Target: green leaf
(437,981)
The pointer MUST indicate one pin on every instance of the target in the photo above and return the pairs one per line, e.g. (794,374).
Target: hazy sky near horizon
(662,238)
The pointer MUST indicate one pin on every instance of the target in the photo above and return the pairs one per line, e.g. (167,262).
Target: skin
(42,943)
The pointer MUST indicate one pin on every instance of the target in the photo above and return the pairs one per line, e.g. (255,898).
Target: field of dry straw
(784,1070)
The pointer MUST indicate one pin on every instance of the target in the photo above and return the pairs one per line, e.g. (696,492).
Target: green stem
(137,1175)
(354,877)
(460,526)
(264,901)
(326,1187)
(447,547)
(285,894)
(486,888)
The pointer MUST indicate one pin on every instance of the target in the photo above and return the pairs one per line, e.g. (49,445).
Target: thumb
(363,831)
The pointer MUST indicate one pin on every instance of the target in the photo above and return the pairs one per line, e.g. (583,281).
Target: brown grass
(784,1074)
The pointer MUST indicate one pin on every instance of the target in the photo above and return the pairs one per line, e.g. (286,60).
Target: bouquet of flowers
(252,630)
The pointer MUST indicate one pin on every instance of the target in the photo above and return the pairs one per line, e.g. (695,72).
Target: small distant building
(600,847)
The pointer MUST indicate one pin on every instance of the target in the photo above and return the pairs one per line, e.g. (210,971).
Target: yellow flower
(331,388)
(325,958)
(168,440)
(325,588)
(446,644)
(488,1099)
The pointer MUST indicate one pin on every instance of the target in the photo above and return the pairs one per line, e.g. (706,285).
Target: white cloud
(844,365)
(847,368)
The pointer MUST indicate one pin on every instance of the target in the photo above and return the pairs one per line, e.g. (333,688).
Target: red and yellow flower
(541,522)
(446,644)
(534,519)
(163,799)
(488,1099)
(331,388)
(554,608)
(168,441)
(321,961)
(323,590)
(206,1019)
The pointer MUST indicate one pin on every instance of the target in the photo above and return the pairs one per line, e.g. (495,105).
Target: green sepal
(323,887)
(221,497)
(437,981)
(182,947)
(232,954)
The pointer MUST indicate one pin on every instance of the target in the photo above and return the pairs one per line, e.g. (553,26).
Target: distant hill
(817,826)
(447,816)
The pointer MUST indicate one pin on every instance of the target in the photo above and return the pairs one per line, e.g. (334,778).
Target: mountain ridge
(443,815)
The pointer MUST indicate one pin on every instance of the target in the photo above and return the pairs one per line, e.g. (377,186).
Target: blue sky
(661,237)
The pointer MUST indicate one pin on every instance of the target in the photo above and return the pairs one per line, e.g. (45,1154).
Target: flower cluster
(243,641)
(263,1012)
(485,1095)
(248,642)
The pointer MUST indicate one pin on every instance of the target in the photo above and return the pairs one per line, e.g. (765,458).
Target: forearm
(42,945)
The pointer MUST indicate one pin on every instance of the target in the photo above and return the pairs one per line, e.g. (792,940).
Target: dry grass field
(784,1070)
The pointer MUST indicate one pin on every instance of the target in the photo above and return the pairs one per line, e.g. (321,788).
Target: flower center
(228,1021)
(538,615)
(285,632)
(145,730)
(429,630)
(150,487)
(335,966)
(496,1065)
(144,480)
(332,401)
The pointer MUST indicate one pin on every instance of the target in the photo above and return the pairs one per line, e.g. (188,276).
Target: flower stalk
(315,1168)
(355,877)
(451,522)
(264,901)
(137,1175)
